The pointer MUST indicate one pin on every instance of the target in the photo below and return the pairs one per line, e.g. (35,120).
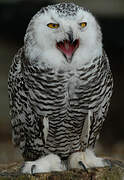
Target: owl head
(63,35)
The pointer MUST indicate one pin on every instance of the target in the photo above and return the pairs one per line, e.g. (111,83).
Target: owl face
(63,34)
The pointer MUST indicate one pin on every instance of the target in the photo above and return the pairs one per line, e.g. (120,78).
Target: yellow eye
(83,24)
(53,26)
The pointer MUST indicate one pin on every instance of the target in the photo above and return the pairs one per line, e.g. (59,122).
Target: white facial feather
(42,45)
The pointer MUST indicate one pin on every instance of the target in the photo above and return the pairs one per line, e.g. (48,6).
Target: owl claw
(33,167)
(47,163)
(108,163)
(85,160)
(83,166)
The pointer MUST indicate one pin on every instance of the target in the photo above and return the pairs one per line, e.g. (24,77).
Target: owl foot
(83,166)
(84,160)
(109,163)
(48,163)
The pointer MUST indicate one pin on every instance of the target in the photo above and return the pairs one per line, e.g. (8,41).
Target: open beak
(68,47)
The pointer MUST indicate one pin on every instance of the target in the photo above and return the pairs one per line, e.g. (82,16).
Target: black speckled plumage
(69,99)
(64,9)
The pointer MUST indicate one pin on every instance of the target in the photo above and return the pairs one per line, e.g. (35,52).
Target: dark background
(14,18)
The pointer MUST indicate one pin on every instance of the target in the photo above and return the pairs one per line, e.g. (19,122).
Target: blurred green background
(14,18)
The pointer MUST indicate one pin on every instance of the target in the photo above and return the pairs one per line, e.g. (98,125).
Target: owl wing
(27,127)
(100,102)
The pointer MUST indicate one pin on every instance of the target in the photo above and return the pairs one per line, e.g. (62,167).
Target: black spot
(64,9)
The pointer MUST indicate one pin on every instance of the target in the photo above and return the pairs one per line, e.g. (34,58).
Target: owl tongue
(68,48)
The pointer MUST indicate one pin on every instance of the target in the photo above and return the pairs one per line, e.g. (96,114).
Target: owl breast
(62,97)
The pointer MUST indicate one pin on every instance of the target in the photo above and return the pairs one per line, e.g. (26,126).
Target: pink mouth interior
(68,48)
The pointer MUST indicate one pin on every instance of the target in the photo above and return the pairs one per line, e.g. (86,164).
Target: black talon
(21,168)
(32,168)
(109,163)
(84,167)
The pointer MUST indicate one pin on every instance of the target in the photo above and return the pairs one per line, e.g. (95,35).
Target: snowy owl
(60,84)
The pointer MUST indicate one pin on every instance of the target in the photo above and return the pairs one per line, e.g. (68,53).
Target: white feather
(46,127)
(88,158)
(44,38)
(48,163)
